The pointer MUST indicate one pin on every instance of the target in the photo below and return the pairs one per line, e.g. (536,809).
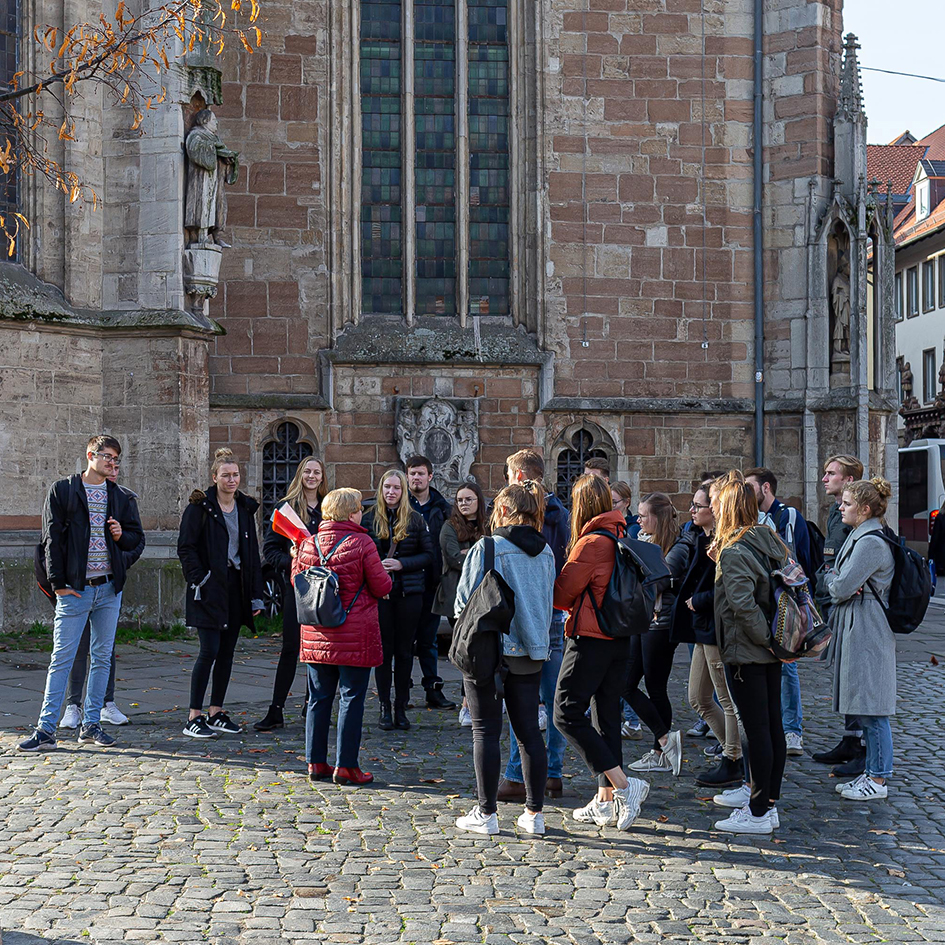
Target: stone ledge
(270,401)
(25,298)
(435,340)
(648,405)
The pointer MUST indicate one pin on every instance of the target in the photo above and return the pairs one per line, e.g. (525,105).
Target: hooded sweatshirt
(743,603)
(523,558)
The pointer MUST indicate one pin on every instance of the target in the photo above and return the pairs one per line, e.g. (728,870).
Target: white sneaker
(627,802)
(653,760)
(744,821)
(602,813)
(113,715)
(865,789)
(465,719)
(72,717)
(843,785)
(478,822)
(629,730)
(795,743)
(542,717)
(736,797)
(531,823)
(672,752)
(774,818)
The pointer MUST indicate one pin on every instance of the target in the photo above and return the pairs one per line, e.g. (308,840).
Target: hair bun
(882,486)
(224,452)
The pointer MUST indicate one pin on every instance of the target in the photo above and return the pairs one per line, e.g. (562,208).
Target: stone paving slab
(169,840)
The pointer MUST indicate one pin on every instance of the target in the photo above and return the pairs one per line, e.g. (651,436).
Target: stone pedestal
(201,274)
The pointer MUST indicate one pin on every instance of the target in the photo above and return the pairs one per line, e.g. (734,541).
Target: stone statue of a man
(840,302)
(210,165)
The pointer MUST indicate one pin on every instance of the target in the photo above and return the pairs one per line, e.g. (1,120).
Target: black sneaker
(38,741)
(95,735)
(198,728)
(436,700)
(221,722)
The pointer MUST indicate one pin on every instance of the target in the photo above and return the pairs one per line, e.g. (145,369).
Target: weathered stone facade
(631,255)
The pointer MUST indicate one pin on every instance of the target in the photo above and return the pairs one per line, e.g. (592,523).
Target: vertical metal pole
(758,233)
(409,173)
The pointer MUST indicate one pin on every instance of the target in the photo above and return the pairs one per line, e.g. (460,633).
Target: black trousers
(485,709)
(217,647)
(426,644)
(593,674)
(291,640)
(756,691)
(651,659)
(398,617)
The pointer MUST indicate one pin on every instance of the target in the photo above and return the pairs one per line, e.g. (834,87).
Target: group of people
(413,557)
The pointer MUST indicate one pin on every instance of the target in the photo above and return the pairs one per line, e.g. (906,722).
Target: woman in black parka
(219,554)
(406,549)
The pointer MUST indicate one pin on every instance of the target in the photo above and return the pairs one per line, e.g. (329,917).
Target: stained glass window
(434,103)
(9,52)
(281,457)
(381,212)
(488,157)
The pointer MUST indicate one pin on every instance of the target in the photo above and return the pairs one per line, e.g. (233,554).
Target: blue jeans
(99,606)
(792,715)
(629,715)
(879,745)
(323,681)
(549,682)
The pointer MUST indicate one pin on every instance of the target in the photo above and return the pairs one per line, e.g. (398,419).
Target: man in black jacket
(88,521)
(435,511)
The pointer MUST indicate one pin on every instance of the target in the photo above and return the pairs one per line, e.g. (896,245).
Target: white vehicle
(921,490)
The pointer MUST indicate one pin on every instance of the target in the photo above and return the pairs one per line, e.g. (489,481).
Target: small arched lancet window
(281,457)
(571,462)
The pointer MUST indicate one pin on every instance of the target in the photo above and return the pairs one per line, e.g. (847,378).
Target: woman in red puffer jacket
(342,656)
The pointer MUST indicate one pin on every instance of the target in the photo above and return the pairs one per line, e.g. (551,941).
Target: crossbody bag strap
(488,552)
(323,558)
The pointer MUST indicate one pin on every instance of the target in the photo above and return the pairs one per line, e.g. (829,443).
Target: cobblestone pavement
(166,839)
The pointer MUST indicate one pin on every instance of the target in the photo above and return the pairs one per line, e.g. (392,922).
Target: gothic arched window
(281,457)
(435,177)
(571,462)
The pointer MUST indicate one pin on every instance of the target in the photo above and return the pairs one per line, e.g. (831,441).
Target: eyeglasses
(113,460)
(695,506)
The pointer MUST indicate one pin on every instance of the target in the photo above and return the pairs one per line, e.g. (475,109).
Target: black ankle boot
(272,720)
(848,748)
(725,773)
(386,722)
(400,716)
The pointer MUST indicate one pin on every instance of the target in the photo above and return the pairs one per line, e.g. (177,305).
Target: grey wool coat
(863,647)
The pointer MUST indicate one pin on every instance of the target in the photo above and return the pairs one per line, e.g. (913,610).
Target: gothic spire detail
(850,103)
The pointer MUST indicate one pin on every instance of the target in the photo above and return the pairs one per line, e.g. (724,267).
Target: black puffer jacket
(678,559)
(202,549)
(696,625)
(435,513)
(415,553)
(66,532)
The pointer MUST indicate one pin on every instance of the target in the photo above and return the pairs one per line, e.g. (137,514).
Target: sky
(905,36)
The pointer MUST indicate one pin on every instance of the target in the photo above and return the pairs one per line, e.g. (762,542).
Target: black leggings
(485,709)
(651,659)
(291,640)
(756,691)
(399,617)
(217,646)
(593,674)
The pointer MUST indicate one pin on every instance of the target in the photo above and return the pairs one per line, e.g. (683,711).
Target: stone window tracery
(571,460)
(281,457)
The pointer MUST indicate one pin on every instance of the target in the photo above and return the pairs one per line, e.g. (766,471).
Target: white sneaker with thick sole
(627,802)
(672,752)
(72,717)
(597,812)
(113,715)
(775,819)
(532,823)
(736,797)
(542,717)
(795,744)
(653,760)
(866,789)
(465,719)
(478,822)
(744,821)
(843,785)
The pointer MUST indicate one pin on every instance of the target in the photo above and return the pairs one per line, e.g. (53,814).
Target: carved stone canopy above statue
(446,431)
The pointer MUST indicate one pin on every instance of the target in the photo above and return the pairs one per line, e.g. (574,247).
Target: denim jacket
(531,577)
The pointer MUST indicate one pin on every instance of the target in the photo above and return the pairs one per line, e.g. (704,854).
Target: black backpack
(911,587)
(477,648)
(317,595)
(640,573)
(39,552)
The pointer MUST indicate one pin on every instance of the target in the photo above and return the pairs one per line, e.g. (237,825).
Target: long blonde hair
(382,526)
(522,503)
(590,497)
(295,494)
(738,509)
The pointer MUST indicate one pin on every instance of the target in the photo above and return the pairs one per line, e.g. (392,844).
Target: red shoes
(320,772)
(353,776)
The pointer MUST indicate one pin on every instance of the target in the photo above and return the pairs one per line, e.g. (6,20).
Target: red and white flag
(287,523)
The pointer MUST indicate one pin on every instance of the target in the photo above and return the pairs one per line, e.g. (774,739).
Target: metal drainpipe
(758,171)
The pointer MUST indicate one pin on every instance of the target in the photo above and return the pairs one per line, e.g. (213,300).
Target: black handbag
(317,594)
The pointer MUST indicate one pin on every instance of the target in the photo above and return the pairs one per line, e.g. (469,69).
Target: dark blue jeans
(323,681)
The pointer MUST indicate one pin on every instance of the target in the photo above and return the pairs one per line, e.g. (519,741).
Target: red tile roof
(893,162)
